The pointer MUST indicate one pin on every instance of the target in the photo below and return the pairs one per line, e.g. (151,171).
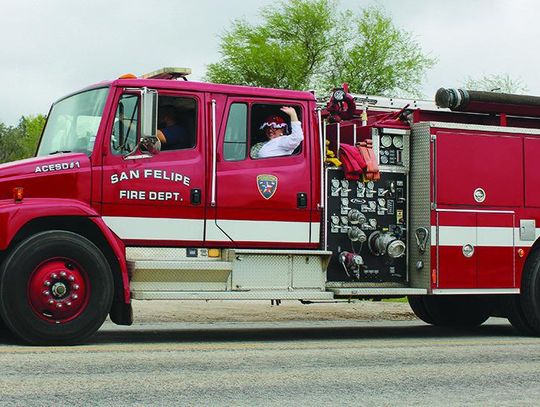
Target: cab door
(261,203)
(155,199)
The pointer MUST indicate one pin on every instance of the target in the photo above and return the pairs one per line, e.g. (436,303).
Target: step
(233,295)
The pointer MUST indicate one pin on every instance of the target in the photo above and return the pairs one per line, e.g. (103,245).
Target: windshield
(73,123)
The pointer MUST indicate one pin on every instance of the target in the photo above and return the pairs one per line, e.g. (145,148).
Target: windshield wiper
(60,151)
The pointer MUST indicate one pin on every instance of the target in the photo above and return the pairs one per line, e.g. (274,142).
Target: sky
(50,48)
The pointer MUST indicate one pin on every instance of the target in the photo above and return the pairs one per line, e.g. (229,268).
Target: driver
(171,134)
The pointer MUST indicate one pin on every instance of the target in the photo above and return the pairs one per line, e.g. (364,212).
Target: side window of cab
(263,130)
(177,122)
(177,119)
(125,133)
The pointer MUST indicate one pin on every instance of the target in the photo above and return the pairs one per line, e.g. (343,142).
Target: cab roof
(210,87)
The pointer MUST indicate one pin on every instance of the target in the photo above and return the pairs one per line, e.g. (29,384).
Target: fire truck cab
(383,198)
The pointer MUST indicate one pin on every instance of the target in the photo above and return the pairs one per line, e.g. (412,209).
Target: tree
(496,83)
(303,44)
(381,59)
(284,52)
(20,142)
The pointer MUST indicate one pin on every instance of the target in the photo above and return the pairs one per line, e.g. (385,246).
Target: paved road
(316,363)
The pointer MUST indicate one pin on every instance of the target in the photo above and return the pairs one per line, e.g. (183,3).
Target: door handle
(195,196)
(301,200)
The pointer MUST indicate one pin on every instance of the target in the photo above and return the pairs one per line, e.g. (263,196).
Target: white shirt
(283,145)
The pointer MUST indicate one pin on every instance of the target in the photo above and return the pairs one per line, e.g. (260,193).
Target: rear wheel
(56,287)
(463,311)
(416,302)
(530,293)
(516,316)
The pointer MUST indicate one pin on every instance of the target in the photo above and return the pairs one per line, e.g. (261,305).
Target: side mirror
(149,107)
(149,143)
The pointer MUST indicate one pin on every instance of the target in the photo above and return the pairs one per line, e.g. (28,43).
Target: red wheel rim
(58,290)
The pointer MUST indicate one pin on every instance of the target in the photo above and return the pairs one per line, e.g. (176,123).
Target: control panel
(366,225)
(391,146)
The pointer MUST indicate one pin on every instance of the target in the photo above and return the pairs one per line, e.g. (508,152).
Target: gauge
(382,202)
(345,220)
(372,204)
(335,183)
(345,183)
(371,185)
(335,220)
(384,159)
(397,141)
(373,223)
(345,202)
(386,141)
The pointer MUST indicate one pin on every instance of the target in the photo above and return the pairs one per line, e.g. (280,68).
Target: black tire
(530,292)
(458,311)
(417,304)
(77,278)
(516,316)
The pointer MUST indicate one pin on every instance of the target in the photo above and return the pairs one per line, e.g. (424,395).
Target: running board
(354,292)
(232,295)
(183,275)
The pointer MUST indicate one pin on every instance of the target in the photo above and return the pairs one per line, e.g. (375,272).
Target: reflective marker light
(18,194)
(214,253)
(521,252)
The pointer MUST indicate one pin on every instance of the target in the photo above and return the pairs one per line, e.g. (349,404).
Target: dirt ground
(263,311)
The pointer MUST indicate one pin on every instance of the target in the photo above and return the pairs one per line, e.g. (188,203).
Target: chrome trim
(474,210)
(284,252)
(338,139)
(322,202)
(479,127)
(232,295)
(401,132)
(214,154)
(457,291)
(377,291)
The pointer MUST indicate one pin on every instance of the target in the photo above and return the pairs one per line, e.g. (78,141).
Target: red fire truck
(383,198)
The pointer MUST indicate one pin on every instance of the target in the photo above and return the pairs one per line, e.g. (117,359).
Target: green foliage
(303,44)
(284,52)
(20,141)
(381,59)
(496,83)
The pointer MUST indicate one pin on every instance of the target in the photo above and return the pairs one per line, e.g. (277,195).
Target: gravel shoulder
(263,311)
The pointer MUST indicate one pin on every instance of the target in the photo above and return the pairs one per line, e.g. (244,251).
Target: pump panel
(367,228)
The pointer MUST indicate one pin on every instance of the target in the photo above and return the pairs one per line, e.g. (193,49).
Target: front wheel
(56,287)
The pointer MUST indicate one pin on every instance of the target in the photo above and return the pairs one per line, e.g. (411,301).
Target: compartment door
(467,162)
(475,249)
(495,252)
(456,233)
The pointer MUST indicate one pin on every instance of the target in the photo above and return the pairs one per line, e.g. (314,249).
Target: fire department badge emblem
(267,185)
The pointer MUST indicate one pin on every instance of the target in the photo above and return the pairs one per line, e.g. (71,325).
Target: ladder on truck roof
(394,104)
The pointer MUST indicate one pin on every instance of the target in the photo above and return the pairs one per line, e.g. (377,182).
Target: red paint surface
(532,171)
(467,161)
(454,269)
